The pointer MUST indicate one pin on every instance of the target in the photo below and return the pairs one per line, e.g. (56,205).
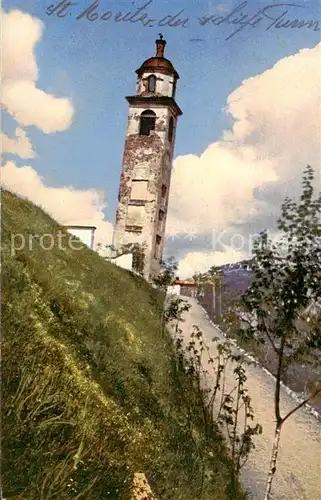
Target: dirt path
(298,475)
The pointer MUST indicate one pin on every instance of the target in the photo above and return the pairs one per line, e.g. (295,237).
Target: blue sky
(93,64)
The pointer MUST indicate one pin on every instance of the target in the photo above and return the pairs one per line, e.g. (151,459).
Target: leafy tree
(138,252)
(287,281)
(212,275)
(209,291)
(167,275)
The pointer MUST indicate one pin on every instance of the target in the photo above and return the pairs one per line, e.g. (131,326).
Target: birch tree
(285,289)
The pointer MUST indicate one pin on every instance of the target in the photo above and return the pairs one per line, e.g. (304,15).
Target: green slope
(90,386)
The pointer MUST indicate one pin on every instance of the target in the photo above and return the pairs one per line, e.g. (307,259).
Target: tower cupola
(157,75)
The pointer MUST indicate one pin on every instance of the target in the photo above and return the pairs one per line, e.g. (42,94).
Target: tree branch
(276,350)
(300,349)
(302,404)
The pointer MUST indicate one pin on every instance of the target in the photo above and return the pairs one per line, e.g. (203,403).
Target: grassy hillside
(90,385)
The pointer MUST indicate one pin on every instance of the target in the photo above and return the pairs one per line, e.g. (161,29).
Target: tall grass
(90,384)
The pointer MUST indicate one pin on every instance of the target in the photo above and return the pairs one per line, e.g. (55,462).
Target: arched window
(152,83)
(170,129)
(147,122)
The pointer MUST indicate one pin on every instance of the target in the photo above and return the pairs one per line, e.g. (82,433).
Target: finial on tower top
(160,46)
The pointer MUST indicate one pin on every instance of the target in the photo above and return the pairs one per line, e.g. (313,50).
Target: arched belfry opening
(147,122)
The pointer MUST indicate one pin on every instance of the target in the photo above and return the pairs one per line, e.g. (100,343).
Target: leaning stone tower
(147,160)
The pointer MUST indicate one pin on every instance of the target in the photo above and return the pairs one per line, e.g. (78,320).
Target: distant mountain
(237,276)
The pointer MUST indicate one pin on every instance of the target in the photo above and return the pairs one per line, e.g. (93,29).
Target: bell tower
(147,160)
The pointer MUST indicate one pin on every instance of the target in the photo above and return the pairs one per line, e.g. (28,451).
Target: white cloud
(66,205)
(20,96)
(201,261)
(32,106)
(241,180)
(210,191)
(20,34)
(19,145)
(276,133)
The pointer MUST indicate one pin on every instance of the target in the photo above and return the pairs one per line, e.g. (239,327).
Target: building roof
(185,282)
(67,226)
(158,63)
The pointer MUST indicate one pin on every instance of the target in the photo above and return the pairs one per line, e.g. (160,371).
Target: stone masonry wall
(145,158)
